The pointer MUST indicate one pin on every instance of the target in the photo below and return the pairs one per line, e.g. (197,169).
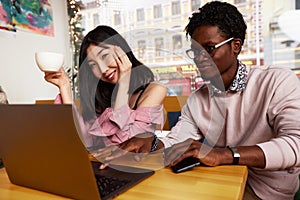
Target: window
(176,8)
(265,43)
(177,42)
(297,56)
(83,19)
(117,17)
(159,45)
(297,5)
(239,1)
(141,48)
(195,4)
(157,11)
(96,19)
(91,5)
(140,14)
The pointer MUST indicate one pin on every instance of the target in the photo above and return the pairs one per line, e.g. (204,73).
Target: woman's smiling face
(102,61)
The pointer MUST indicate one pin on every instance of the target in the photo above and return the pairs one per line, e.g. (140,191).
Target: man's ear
(237,45)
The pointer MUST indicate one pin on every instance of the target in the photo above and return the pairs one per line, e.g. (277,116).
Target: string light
(76,35)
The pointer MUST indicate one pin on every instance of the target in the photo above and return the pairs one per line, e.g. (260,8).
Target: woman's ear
(237,45)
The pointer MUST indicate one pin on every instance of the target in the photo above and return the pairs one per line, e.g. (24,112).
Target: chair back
(172,106)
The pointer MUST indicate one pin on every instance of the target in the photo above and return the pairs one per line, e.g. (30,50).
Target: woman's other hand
(123,63)
(140,145)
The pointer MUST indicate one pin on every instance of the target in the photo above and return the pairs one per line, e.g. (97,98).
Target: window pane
(195,4)
(157,11)
(96,19)
(117,18)
(159,45)
(176,8)
(177,42)
(297,4)
(141,49)
(140,14)
(239,1)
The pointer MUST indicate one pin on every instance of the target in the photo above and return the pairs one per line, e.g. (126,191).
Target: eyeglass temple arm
(224,42)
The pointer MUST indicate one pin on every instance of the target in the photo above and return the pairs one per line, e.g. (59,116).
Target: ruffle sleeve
(124,123)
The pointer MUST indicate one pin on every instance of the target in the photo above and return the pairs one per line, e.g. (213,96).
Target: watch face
(235,155)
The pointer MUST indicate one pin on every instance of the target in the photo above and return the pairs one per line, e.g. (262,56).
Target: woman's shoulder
(153,95)
(156,84)
(155,87)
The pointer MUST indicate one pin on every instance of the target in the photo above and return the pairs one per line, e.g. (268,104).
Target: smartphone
(185,164)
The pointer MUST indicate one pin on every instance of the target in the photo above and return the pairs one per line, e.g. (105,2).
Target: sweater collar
(238,83)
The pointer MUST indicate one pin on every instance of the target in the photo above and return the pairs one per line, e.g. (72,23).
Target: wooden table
(222,182)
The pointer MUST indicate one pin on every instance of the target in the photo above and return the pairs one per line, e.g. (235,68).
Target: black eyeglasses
(193,53)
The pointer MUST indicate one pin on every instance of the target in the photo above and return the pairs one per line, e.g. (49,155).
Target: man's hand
(193,148)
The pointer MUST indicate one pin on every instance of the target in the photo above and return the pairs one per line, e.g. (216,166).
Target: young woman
(118,96)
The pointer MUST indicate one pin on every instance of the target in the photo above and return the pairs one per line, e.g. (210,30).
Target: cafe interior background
(154,30)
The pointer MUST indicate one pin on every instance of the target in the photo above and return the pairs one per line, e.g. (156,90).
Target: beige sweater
(266,113)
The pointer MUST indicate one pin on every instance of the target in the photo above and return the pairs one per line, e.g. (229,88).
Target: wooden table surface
(222,182)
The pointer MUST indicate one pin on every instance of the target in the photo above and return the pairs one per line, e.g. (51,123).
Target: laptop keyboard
(107,185)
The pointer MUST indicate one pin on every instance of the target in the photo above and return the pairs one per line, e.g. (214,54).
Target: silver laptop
(41,149)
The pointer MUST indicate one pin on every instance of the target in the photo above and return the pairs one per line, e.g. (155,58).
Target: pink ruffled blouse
(114,127)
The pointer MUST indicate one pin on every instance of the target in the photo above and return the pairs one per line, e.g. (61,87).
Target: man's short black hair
(221,14)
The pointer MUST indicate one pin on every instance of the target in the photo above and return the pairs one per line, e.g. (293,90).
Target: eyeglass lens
(192,53)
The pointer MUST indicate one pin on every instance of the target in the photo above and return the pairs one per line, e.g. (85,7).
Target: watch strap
(154,143)
(235,154)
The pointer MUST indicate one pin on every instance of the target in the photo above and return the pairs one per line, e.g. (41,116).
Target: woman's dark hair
(221,14)
(97,95)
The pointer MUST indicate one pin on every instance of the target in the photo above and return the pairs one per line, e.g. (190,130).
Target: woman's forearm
(122,97)
(66,94)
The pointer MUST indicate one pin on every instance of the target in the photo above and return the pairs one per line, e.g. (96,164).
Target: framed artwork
(29,15)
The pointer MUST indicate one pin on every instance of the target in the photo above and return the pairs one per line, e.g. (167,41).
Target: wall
(19,75)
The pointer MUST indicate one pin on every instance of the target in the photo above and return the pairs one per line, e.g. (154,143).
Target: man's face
(213,62)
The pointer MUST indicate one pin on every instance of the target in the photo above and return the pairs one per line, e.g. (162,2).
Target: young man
(241,116)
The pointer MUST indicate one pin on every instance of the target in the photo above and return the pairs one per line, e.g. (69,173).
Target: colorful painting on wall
(32,15)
